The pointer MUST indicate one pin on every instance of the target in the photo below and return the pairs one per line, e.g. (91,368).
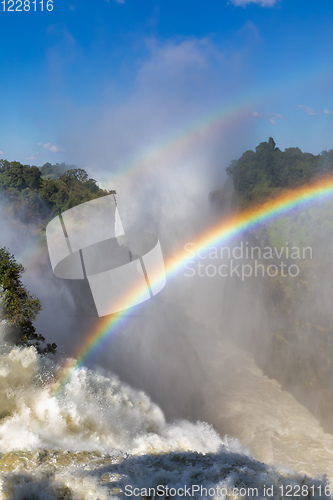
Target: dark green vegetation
(260,174)
(34,196)
(39,194)
(50,171)
(293,340)
(18,307)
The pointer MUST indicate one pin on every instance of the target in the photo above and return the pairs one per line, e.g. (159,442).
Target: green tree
(50,171)
(38,194)
(18,306)
(258,175)
(32,177)
(76,174)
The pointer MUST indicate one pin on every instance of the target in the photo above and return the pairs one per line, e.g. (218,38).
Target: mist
(202,348)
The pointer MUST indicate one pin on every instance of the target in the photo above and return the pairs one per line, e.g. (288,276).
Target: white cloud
(51,147)
(313,112)
(250,35)
(169,123)
(120,1)
(271,117)
(262,3)
(307,110)
(33,156)
(1,152)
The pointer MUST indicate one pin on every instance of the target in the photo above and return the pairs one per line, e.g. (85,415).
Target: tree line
(260,174)
(34,195)
(40,193)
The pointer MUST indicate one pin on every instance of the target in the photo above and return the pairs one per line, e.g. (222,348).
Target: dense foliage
(34,196)
(258,174)
(18,307)
(37,194)
(50,171)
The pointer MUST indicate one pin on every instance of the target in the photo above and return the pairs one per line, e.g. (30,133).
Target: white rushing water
(100,438)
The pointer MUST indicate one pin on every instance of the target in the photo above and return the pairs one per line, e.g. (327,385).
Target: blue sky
(99,83)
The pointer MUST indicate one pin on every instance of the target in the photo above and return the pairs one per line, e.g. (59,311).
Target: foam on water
(99,436)
(94,412)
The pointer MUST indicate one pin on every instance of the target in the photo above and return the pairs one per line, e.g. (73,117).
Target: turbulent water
(245,403)
(99,438)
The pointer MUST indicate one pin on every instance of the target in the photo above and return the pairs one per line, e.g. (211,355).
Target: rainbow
(224,230)
(219,118)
